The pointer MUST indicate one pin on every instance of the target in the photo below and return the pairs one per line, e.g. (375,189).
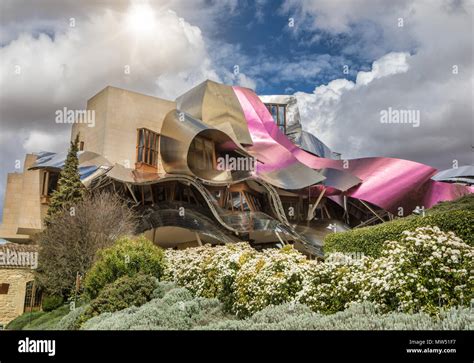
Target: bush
(72,321)
(464,203)
(48,320)
(24,319)
(52,302)
(426,269)
(177,309)
(358,316)
(128,257)
(369,240)
(271,278)
(208,271)
(124,292)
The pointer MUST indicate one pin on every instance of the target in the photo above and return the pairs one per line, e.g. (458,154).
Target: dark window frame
(147,153)
(4,287)
(280,123)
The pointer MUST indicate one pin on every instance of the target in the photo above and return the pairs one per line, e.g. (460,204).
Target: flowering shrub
(426,269)
(208,272)
(270,278)
(330,286)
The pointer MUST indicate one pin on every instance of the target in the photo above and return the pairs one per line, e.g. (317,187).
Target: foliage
(52,302)
(124,292)
(128,257)
(369,240)
(272,278)
(48,320)
(69,244)
(464,203)
(176,309)
(426,269)
(358,316)
(72,320)
(70,189)
(24,319)
(208,272)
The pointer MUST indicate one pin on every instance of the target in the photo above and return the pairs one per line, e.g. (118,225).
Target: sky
(345,61)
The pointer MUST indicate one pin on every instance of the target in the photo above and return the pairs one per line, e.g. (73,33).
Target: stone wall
(12,303)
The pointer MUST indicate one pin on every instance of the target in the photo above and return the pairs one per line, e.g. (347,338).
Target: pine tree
(70,189)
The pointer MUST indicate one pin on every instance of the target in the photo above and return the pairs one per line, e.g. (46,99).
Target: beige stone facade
(16,281)
(118,115)
(12,303)
(23,211)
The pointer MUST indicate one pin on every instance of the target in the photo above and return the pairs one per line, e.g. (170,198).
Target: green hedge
(369,240)
(122,293)
(127,257)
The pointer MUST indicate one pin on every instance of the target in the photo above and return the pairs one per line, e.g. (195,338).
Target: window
(278,112)
(50,182)
(33,297)
(147,147)
(81,146)
(4,288)
(202,154)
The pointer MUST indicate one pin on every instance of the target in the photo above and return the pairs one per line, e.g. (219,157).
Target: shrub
(177,309)
(69,243)
(209,271)
(128,257)
(52,302)
(425,269)
(72,321)
(24,319)
(369,240)
(48,320)
(464,203)
(271,278)
(330,286)
(124,292)
(358,316)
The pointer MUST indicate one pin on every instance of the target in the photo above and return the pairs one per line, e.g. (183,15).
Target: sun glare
(140,19)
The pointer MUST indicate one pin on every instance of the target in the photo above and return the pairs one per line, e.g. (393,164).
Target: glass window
(278,112)
(147,147)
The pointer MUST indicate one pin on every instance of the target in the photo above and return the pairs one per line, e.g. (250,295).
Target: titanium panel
(217,106)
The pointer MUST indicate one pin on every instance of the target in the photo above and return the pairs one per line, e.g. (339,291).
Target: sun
(140,19)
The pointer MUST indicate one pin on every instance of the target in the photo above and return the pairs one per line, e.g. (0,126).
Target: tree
(70,189)
(69,244)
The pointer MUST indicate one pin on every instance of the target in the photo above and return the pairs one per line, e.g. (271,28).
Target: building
(17,287)
(220,164)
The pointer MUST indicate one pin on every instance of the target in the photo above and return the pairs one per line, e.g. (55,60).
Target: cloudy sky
(346,61)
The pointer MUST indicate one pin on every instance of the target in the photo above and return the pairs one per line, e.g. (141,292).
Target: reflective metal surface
(177,133)
(388,183)
(216,105)
(277,165)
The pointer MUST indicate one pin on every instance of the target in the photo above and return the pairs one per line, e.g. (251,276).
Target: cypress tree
(70,189)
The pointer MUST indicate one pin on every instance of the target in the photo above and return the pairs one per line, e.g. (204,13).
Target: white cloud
(42,141)
(437,35)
